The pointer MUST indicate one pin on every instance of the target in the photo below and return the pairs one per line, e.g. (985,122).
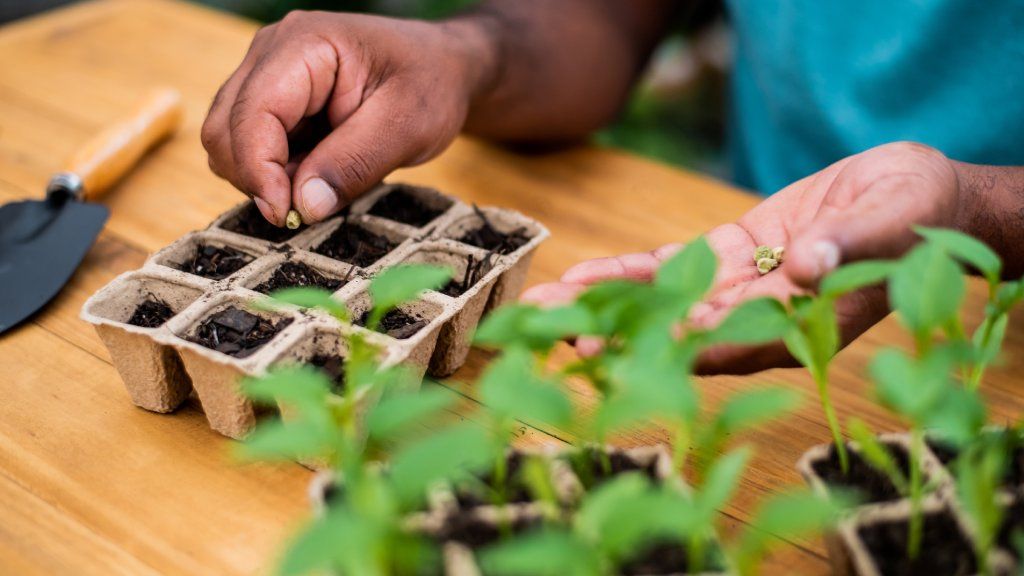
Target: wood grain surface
(89,484)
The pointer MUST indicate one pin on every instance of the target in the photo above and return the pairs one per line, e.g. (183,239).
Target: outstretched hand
(861,207)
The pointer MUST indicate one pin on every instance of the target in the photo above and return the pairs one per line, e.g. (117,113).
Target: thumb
(877,222)
(355,156)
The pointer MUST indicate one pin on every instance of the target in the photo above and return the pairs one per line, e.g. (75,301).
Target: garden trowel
(43,241)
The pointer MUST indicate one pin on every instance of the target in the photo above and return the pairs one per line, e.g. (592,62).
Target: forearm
(992,201)
(556,70)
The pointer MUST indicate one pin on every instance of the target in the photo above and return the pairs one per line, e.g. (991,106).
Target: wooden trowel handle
(104,159)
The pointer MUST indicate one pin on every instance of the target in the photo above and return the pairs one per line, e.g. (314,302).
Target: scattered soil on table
(396,323)
(667,558)
(484,490)
(152,313)
(1012,476)
(873,485)
(356,245)
(944,549)
(475,270)
(1013,521)
(401,205)
(592,472)
(296,275)
(215,262)
(333,366)
(491,239)
(250,222)
(471,531)
(237,333)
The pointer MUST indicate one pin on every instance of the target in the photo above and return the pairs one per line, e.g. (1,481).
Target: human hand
(324,105)
(861,207)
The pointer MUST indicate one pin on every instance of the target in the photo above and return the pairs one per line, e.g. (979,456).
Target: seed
(293,221)
(778,252)
(766,265)
(762,252)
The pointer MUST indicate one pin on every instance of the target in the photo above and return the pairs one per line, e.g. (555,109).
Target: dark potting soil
(333,366)
(251,222)
(152,313)
(237,333)
(1013,522)
(296,275)
(668,558)
(944,549)
(484,491)
(401,205)
(215,262)
(489,238)
(471,531)
(475,270)
(356,245)
(396,323)
(592,472)
(872,484)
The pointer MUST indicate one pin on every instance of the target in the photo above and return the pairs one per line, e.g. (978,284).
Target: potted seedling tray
(872,539)
(187,320)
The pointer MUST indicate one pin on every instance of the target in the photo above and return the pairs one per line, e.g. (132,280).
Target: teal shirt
(817,80)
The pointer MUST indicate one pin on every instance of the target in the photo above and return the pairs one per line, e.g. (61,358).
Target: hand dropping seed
(293,220)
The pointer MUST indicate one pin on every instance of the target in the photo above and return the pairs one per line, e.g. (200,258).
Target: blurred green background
(676,112)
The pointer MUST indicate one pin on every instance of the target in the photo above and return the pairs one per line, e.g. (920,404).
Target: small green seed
(762,252)
(293,221)
(766,265)
(778,253)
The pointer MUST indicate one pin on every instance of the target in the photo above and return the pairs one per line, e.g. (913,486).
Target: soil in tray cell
(215,262)
(592,471)
(475,533)
(152,313)
(250,222)
(1012,476)
(476,269)
(482,490)
(403,206)
(396,323)
(944,549)
(355,245)
(668,558)
(872,484)
(489,238)
(333,366)
(296,275)
(237,333)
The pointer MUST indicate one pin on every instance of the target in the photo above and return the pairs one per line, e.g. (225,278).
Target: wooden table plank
(95,483)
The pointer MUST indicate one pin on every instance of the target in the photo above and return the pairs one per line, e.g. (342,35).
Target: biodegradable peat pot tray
(871,540)
(151,320)
(462,520)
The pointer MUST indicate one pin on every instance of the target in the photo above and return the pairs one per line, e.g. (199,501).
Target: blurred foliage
(681,126)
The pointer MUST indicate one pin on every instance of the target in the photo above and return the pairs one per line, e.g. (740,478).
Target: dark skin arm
(324,105)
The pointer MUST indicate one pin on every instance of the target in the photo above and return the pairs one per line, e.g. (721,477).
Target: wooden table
(90,484)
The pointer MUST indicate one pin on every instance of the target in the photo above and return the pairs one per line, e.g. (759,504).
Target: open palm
(863,206)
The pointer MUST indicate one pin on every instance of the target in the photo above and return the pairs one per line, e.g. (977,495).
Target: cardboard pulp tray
(161,366)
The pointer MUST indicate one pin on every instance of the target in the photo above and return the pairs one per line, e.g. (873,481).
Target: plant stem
(680,447)
(695,554)
(978,370)
(916,489)
(821,379)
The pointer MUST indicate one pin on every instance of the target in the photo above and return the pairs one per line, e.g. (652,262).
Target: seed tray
(162,365)
(850,554)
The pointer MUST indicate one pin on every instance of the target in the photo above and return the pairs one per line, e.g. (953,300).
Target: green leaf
(307,298)
(318,546)
(536,328)
(405,282)
(442,455)
(995,330)
(754,407)
(277,440)
(926,289)
(814,338)
(689,273)
(546,552)
(397,414)
(855,276)
(967,249)
(291,384)
(877,455)
(721,481)
(553,324)
(510,387)
(754,321)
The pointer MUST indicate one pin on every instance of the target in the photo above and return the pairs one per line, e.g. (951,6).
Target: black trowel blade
(41,245)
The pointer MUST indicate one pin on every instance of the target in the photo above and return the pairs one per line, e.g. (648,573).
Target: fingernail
(265,209)
(318,198)
(826,256)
